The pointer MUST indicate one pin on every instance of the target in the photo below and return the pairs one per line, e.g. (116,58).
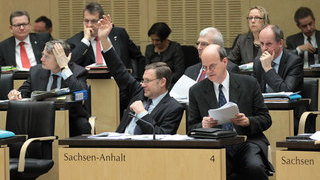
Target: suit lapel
(318,38)
(114,40)
(35,48)
(44,77)
(208,90)
(234,87)
(283,63)
(12,51)
(249,43)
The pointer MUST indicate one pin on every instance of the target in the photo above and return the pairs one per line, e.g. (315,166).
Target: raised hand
(104,27)
(60,55)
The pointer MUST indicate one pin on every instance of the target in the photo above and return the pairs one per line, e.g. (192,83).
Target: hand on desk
(14,95)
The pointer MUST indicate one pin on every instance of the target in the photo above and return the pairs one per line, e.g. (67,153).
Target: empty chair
(191,55)
(35,119)
(6,85)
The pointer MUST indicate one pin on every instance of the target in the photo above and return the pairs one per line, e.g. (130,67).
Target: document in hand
(224,113)
(180,90)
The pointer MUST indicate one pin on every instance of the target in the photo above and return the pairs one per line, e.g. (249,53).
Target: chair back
(6,85)
(191,55)
(35,119)
(311,90)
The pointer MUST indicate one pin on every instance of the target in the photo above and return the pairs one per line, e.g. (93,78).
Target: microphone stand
(150,124)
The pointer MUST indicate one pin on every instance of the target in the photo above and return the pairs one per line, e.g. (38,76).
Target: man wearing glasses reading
(149,101)
(23,49)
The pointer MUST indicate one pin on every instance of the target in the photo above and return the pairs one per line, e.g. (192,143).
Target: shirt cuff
(140,115)
(66,73)
(85,41)
(298,50)
(104,51)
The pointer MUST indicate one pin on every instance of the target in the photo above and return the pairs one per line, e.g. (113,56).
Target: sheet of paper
(181,89)
(316,136)
(224,113)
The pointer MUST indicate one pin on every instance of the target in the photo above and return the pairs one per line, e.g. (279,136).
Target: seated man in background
(306,42)
(23,49)
(149,101)
(85,45)
(247,160)
(209,35)
(56,72)
(277,69)
(42,24)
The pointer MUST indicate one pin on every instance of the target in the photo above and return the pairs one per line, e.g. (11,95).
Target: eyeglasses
(255,18)
(211,67)
(202,43)
(19,25)
(93,21)
(146,81)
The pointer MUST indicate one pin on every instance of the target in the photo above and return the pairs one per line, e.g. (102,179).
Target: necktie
(54,82)
(202,76)
(98,51)
(24,57)
(310,55)
(222,101)
(137,129)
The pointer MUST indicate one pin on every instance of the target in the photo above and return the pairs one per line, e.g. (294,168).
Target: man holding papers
(249,159)
(150,109)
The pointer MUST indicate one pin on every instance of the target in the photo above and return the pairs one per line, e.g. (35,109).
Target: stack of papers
(121,136)
(95,66)
(180,90)
(281,97)
(224,113)
(246,67)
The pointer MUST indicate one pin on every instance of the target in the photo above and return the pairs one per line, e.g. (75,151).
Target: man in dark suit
(277,69)
(307,42)
(209,35)
(56,72)
(23,49)
(149,101)
(247,160)
(84,45)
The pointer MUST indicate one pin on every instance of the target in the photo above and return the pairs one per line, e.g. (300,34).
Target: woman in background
(247,46)
(164,50)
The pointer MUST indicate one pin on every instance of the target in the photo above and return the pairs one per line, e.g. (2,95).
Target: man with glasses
(209,35)
(307,42)
(23,49)
(247,160)
(149,101)
(86,46)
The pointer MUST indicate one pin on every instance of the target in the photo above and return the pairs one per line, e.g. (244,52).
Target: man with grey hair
(209,35)
(277,69)
(56,72)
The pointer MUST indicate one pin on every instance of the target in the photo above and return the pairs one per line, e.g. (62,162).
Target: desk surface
(18,138)
(84,141)
(308,145)
(287,105)
(58,105)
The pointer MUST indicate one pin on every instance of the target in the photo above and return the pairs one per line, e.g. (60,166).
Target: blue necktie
(137,129)
(222,101)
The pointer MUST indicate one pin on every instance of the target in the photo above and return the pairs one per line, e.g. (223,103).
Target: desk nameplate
(297,165)
(141,163)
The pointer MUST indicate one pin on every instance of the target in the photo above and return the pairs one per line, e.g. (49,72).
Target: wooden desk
(61,130)
(143,159)
(105,102)
(4,155)
(299,161)
(282,115)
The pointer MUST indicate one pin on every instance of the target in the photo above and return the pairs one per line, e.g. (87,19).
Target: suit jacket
(166,115)
(8,48)
(289,77)
(296,40)
(126,49)
(38,80)
(245,92)
(242,52)
(194,70)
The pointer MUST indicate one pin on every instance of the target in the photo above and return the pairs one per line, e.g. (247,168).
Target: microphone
(150,124)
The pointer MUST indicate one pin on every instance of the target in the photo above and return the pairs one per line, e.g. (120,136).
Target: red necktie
(202,76)
(24,57)
(98,51)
